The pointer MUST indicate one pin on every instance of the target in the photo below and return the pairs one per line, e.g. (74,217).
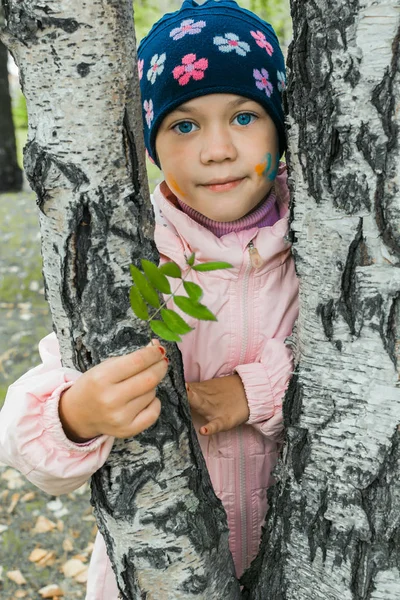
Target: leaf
(212,266)
(156,277)
(194,309)
(171,269)
(174,321)
(164,332)
(138,304)
(144,287)
(193,290)
(190,260)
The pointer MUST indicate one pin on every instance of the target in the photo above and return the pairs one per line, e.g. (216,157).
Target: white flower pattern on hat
(281,80)
(148,107)
(157,67)
(231,42)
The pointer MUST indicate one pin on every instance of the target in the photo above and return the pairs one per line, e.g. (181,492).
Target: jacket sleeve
(265,384)
(32,439)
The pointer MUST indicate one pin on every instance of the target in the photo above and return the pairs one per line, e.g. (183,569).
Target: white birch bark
(334,530)
(165,530)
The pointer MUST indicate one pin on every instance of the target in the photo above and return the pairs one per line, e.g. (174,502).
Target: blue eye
(245,118)
(184,127)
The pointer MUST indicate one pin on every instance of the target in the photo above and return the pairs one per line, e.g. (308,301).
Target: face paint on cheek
(267,168)
(174,186)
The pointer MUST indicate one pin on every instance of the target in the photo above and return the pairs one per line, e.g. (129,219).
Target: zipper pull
(255,258)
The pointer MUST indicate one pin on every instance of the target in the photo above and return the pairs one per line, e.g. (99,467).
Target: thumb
(214,426)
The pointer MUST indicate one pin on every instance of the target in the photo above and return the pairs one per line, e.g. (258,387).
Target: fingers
(146,417)
(144,382)
(214,426)
(119,368)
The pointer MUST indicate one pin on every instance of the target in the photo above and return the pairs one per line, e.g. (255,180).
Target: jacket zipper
(255,261)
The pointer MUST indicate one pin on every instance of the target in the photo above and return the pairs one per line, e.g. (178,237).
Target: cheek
(268,169)
(174,186)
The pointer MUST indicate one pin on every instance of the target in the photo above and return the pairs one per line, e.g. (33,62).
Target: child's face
(219,154)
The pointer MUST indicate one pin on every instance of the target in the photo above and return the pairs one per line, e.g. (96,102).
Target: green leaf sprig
(146,304)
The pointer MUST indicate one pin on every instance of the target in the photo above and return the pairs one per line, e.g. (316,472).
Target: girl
(211,78)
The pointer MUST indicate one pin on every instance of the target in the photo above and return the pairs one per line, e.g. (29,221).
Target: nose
(218,145)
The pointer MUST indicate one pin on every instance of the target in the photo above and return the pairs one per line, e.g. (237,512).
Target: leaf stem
(164,303)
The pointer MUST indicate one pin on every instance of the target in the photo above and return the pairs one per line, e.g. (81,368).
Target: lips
(223,185)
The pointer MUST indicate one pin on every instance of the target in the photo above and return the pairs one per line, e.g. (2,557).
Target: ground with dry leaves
(45,542)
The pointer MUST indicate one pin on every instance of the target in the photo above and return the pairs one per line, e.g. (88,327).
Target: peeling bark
(333,530)
(165,530)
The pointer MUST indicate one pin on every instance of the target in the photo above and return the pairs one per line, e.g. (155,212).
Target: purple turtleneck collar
(264,215)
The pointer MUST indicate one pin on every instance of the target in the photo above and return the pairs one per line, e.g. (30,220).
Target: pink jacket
(256,308)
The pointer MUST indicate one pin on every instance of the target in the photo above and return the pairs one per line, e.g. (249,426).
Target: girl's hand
(116,397)
(221,401)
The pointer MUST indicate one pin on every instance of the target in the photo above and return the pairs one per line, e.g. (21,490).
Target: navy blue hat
(215,47)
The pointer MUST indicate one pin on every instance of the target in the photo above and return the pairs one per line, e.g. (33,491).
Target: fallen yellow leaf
(51,591)
(43,525)
(73,567)
(28,497)
(67,545)
(14,501)
(16,577)
(43,558)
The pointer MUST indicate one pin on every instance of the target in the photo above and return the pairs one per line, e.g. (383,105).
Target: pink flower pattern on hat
(189,68)
(140,67)
(261,41)
(187,27)
(262,81)
(148,107)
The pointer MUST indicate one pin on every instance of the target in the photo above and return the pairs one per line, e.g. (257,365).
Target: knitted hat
(215,47)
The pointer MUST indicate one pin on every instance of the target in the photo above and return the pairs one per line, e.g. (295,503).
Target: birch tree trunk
(165,530)
(333,532)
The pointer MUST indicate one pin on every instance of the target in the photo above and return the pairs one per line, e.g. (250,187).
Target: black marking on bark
(24,24)
(327,314)
(196,584)
(129,577)
(298,450)
(385,100)
(382,218)
(293,401)
(392,337)
(38,167)
(84,69)
(83,358)
(131,153)
(83,244)
(335,151)
(67,25)
(348,298)
(367,144)
(318,530)
(353,74)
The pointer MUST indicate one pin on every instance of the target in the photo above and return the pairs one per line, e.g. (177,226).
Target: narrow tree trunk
(10,173)
(165,530)
(333,532)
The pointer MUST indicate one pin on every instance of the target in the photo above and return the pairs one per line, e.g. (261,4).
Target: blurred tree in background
(10,173)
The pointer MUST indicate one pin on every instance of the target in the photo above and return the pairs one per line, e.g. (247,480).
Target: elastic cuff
(258,391)
(52,424)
